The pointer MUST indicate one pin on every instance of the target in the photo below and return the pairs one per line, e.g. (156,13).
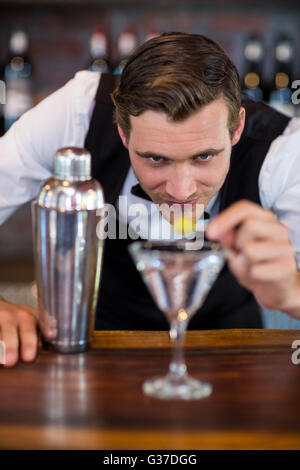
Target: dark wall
(60,31)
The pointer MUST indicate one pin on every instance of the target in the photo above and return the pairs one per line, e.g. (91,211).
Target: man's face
(182,162)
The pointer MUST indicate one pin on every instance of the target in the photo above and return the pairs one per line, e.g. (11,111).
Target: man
(185,138)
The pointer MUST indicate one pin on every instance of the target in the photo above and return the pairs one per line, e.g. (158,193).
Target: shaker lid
(72,164)
(72,188)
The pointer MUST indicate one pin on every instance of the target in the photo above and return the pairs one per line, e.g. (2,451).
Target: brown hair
(177,73)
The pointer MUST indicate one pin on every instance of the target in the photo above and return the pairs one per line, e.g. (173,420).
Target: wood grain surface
(94,400)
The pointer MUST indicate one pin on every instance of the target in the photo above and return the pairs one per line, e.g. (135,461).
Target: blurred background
(43,43)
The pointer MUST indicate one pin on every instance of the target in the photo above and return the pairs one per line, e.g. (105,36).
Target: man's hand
(260,255)
(18,326)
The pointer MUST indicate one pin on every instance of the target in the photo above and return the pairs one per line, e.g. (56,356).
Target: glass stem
(177,367)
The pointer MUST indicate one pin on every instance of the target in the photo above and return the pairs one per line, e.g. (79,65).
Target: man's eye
(204,158)
(155,159)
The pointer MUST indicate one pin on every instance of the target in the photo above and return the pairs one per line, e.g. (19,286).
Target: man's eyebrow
(149,154)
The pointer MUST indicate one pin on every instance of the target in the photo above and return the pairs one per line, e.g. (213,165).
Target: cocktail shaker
(68,251)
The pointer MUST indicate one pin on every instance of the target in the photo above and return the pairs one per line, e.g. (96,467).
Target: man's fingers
(272,271)
(239,266)
(18,324)
(253,230)
(262,251)
(259,253)
(262,262)
(28,336)
(10,337)
(223,226)
(48,326)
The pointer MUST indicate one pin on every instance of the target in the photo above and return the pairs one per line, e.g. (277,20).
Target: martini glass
(179,281)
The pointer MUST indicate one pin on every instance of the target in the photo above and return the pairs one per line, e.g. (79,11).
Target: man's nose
(181,185)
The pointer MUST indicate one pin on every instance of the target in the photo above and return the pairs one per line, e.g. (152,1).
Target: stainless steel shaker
(68,251)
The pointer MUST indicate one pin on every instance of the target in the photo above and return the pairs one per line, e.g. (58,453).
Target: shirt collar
(211,204)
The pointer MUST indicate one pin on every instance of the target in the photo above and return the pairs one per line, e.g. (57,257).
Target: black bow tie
(139,192)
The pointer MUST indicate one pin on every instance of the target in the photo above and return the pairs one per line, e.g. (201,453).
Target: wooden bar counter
(94,400)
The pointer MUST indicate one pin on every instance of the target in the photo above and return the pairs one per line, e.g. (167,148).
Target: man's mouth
(182,204)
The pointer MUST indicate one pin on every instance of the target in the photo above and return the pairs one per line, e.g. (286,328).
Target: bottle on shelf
(281,95)
(253,58)
(127,42)
(18,79)
(99,52)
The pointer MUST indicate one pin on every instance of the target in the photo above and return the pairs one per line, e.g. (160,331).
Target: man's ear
(240,127)
(123,137)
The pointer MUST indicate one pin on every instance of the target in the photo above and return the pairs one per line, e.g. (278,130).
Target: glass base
(184,388)
(60,347)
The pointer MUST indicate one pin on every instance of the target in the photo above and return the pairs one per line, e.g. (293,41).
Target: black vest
(124,301)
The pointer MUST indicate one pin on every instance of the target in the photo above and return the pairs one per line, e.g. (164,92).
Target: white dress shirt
(27,151)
